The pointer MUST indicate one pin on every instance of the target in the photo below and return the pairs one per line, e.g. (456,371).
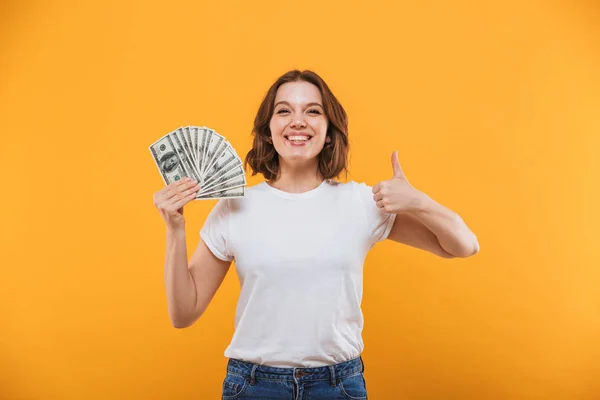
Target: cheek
(276,125)
(320,126)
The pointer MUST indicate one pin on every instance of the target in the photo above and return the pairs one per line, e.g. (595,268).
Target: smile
(297,138)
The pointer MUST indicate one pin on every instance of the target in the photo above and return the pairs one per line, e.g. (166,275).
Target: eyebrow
(307,105)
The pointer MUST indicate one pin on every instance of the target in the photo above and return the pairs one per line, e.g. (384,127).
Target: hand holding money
(171,199)
(203,155)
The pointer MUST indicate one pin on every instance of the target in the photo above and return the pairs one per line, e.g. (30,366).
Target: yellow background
(494,108)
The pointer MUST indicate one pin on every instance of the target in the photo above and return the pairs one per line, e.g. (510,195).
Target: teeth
(297,137)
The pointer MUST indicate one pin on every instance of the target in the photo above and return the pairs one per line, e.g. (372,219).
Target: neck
(297,178)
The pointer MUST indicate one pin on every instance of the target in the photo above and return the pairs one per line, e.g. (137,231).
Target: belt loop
(362,363)
(252,378)
(332,371)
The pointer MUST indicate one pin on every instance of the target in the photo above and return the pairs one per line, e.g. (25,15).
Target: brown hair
(333,159)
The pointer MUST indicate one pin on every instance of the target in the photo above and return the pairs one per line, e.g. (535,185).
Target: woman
(299,240)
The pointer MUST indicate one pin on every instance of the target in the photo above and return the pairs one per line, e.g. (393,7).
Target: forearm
(179,285)
(451,231)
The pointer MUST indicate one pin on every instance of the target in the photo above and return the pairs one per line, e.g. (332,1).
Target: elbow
(181,322)
(470,250)
(475,246)
(476,250)
(464,251)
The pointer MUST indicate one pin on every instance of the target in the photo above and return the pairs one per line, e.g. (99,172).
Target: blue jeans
(246,380)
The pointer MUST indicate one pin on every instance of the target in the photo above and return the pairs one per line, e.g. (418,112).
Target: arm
(190,288)
(432,227)
(420,221)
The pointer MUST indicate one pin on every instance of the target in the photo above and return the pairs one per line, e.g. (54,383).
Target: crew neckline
(295,196)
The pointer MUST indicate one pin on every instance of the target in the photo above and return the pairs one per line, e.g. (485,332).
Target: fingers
(176,191)
(174,185)
(378,196)
(167,192)
(380,204)
(174,188)
(177,202)
(177,205)
(189,190)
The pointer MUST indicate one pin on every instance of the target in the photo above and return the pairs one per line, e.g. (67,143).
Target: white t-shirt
(299,258)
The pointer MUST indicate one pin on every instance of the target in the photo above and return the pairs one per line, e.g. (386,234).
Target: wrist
(420,204)
(176,231)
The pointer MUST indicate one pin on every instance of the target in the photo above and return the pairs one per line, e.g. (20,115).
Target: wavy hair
(333,159)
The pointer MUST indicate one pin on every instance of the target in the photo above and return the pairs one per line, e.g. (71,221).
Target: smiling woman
(302,119)
(299,241)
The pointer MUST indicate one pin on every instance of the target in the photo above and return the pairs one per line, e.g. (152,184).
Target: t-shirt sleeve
(378,222)
(215,231)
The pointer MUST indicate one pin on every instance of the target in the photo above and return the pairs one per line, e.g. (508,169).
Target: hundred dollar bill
(191,134)
(223,176)
(194,132)
(230,180)
(201,154)
(220,194)
(189,153)
(189,148)
(224,158)
(214,144)
(180,149)
(212,167)
(188,141)
(167,160)
(234,167)
(204,140)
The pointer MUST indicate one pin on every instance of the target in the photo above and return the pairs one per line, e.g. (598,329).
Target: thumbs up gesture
(397,195)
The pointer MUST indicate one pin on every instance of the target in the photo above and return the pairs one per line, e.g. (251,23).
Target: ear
(327,139)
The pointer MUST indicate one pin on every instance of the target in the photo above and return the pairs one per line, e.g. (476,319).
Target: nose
(298,122)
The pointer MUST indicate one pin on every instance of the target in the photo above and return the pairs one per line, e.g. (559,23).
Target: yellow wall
(495,111)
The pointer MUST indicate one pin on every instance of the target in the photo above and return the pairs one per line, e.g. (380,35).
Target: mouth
(297,138)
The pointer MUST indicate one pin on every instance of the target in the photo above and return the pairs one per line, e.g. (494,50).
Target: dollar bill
(232,179)
(225,158)
(215,143)
(221,194)
(194,133)
(233,169)
(180,149)
(214,165)
(167,160)
(205,156)
(183,140)
(206,133)
(187,136)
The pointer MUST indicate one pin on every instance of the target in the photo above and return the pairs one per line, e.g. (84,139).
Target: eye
(314,111)
(282,110)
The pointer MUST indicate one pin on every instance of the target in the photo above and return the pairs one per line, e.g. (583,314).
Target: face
(298,125)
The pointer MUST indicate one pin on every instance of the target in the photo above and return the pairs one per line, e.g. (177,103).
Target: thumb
(396,165)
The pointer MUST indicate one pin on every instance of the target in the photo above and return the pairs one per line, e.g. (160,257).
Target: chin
(301,158)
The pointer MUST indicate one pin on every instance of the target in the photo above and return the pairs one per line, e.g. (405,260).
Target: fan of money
(204,155)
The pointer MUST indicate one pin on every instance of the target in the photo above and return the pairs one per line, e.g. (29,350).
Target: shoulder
(251,194)
(256,187)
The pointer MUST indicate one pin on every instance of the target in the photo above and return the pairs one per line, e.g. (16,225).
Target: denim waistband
(296,374)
